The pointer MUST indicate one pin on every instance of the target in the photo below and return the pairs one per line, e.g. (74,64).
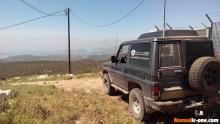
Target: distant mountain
(102,51)
(53,58)
(81,52)
(22,58)
(99,57)
(39,58)
(78,54)
(2,55)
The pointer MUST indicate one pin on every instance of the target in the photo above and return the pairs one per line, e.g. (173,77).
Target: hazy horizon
(50,34)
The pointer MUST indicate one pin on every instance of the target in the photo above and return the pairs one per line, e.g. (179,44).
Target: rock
(69,76)
(42,76)
(4,94)
(72,76)
(3,79)
(16,78)
(88,91)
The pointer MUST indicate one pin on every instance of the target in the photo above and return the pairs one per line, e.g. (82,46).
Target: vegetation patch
(18,69)
(36,104)
(89,75)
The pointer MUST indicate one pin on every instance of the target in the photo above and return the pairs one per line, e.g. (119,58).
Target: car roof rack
(169,33)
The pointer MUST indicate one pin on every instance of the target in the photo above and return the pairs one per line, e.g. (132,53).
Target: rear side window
(169,55)
(140,54)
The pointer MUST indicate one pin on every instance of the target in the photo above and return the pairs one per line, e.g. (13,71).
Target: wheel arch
(104,71)
(131,85)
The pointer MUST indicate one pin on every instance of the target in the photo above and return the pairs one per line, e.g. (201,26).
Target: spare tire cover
(204,74)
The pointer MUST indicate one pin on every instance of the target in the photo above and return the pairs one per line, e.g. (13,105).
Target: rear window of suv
(169,55)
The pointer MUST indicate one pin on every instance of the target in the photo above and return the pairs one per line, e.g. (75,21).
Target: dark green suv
(167,74)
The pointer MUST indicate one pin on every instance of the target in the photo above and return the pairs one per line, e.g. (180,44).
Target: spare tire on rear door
(204,75)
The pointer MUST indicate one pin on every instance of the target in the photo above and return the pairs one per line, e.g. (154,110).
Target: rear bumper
(180,105)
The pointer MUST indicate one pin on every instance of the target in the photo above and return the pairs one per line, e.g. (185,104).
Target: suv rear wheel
(108,89)
(136,103)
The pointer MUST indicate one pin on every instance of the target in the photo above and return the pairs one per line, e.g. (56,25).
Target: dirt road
(83,83)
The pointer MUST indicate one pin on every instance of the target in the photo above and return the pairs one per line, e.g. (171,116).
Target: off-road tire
(108,89)
(141,115)
(204,75)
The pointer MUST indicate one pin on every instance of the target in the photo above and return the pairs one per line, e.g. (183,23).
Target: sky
(50,34)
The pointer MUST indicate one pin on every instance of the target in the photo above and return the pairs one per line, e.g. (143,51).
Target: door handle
(159,75)
(141,76)
(178,71)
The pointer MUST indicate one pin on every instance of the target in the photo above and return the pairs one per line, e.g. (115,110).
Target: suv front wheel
(108,89)
(136,103)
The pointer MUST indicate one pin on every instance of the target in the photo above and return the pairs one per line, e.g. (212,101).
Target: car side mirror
(113,59)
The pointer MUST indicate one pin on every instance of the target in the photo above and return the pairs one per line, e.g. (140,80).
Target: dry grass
(89,75)
(46,104)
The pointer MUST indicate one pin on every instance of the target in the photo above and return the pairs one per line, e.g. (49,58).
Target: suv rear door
(170,71)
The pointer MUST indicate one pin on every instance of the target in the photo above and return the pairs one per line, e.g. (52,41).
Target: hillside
(54,57)
(77,54)
(14,69)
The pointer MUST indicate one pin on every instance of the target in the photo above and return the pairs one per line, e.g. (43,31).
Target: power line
(10,26)
(112,23)
(36,9)
(83,21)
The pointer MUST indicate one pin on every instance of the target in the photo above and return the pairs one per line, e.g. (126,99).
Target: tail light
(155,89)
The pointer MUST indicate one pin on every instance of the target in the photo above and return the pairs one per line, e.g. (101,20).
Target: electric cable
(112,23)
(36,9)
(10,26)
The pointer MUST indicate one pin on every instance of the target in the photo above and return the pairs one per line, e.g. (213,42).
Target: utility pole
(164,17)
(69,48)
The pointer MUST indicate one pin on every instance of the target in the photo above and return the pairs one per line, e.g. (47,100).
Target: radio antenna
(116,41)
(164,17)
